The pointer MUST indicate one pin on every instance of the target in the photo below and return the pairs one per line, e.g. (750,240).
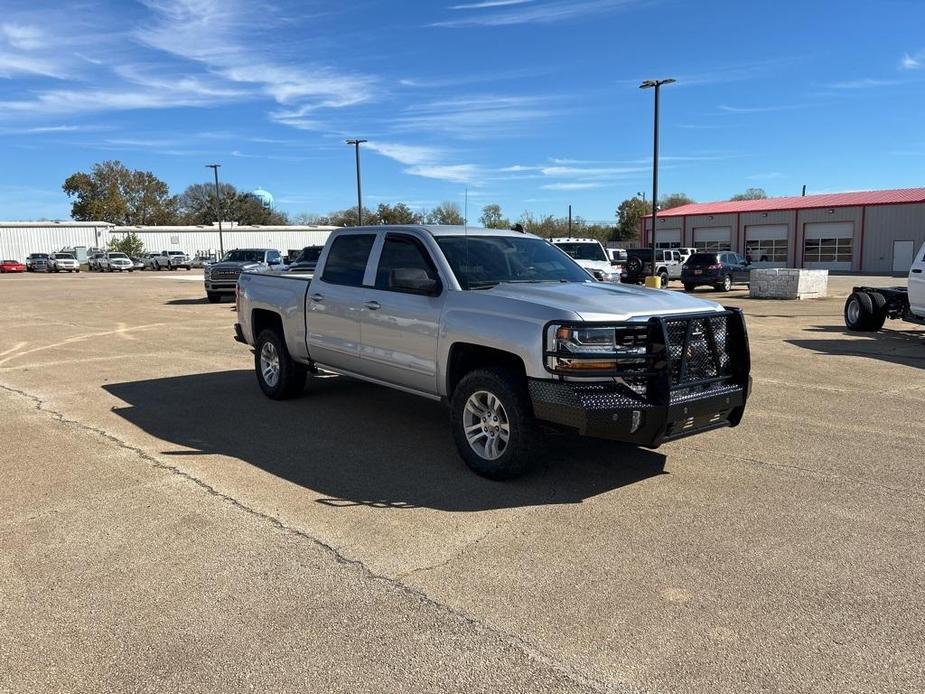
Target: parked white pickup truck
(505,328)
(867,308)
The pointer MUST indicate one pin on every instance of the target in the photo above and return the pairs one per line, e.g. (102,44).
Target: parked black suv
(719,270)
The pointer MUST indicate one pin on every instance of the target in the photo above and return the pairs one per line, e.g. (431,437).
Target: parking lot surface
(165,527)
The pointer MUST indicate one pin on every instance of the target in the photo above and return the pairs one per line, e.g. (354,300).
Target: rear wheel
(279,376)
(493,425)
(663,278)
(860,314)
(689,287)
(214,297)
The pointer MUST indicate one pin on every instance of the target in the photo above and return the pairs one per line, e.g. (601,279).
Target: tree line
(110,192)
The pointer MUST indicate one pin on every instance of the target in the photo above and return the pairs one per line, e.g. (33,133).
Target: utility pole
(570,221)
(356,144)
(653,280)
(218,210)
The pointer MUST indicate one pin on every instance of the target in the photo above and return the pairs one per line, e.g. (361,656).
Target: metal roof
(214,227)
(797,202)
(53,223)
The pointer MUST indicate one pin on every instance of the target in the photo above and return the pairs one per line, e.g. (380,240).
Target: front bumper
(221,286)
(695,377)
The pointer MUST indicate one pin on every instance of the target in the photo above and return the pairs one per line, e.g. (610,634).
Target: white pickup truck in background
(867,309)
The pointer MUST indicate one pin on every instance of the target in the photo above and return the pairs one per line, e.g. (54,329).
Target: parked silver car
(62,262)
(115,261)
(37,262)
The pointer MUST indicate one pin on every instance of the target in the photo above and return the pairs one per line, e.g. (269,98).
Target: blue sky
(533,104)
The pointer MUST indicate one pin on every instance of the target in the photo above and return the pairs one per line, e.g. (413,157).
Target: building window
(712,246)
(668,244)
(767,250)
(839,250)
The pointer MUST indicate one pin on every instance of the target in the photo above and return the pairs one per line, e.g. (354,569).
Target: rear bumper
(613,411)
(705,278)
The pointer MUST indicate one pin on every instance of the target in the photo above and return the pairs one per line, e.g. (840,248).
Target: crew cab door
(335,300)
(917,284)
(399,324)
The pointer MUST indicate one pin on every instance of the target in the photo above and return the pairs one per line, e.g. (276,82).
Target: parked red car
(11,266)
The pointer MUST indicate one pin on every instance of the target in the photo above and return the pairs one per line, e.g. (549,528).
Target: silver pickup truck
(505,328)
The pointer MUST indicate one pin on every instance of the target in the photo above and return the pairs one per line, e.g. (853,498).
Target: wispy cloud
(913,61)
(490,3)
(428,162)
(20,54)
(22,36)
(476,116)
(864,83)
(573,186)
(760,109)
(539,13)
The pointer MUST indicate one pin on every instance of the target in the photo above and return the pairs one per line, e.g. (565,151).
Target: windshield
(117,255)
(174,252)
(484,261)
(583,251)
(40,256)
(64,256)
(244,256)
(309,254)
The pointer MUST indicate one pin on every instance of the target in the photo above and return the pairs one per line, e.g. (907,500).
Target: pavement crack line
(529,649)
(824,475)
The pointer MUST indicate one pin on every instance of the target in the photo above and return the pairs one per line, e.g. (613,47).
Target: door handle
(316,297)
(372,305)
(917,271)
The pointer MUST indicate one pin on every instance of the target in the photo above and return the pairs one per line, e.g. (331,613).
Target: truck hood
(602,301)
(229,265)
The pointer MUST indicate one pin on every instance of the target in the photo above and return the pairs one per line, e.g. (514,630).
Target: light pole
(356,144)
(218,210)
(653,280)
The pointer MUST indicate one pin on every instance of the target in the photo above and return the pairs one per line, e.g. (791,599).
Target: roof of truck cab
(438,230)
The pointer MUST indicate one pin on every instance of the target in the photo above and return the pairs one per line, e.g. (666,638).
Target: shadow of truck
(356,443)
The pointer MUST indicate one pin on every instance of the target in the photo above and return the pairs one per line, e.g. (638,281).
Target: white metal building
(19,239)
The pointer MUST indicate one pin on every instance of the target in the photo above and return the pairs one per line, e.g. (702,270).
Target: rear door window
(346,261)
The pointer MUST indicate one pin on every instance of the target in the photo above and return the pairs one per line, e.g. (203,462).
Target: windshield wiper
(481,285)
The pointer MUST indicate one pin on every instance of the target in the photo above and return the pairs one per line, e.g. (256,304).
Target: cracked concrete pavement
(165,527)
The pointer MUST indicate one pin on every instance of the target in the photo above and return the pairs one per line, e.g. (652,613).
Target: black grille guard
(684,354)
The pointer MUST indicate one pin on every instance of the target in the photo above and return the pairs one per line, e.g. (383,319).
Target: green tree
(674,200)
(130,244)
(247,208)
(492,218)
(399,213)
(446,213)
(751,194)
(629,214)
(196,204)
(113,193)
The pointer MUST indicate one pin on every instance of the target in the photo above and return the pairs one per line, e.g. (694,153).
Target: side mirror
(413,280)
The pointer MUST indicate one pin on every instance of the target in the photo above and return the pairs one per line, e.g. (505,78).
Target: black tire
(689,287)
(519,452)
(634,265)
(214,297)
(725,285)
(663,278)
(290,378)
(860,315)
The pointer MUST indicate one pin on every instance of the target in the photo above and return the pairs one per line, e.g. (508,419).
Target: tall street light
(218,210)
(356,144)
(653,280)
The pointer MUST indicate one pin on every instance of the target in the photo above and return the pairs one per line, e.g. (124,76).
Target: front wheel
(214,297)
(279,376)
(663,279)
(689,287)
(493,425)
(725,285)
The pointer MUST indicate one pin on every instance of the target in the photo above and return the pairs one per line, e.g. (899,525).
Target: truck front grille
(225,274)
(698,349)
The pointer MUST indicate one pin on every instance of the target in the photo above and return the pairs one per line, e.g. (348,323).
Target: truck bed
(281,293)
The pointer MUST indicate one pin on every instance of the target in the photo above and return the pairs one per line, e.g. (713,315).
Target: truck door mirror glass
(413,279)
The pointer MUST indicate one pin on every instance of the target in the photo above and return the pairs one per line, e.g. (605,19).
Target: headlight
(581,349)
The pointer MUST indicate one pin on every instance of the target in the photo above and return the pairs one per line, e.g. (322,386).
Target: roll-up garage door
(668,238)
(712,238)
(767,244)
(828,245)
